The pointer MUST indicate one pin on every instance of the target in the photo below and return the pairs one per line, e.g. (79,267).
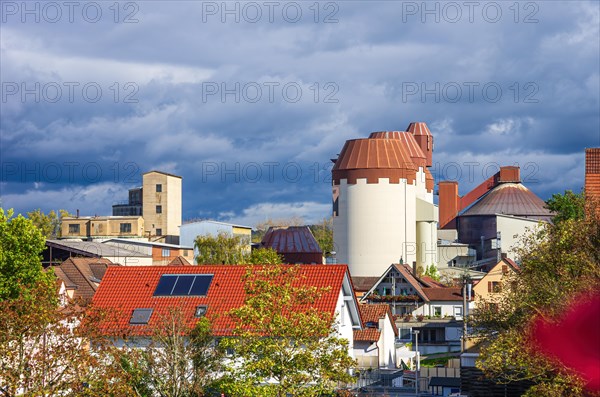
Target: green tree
(432,272)
(222,249)
(50,224)
(21,245)
(558,262)
(566,206)
(263,256)
(323,233)
(282,344)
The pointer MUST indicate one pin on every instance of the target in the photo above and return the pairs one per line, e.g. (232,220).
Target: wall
(512,229)
(103,227)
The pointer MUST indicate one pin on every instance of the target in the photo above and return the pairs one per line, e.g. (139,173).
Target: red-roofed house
(375,344)
(138,296)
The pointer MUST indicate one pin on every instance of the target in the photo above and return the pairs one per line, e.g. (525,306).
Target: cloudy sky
(249,101)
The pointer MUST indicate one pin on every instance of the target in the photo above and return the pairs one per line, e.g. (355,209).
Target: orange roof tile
(124,289)
(366,335)
(374,312)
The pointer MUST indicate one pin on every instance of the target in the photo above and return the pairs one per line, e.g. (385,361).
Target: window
(125,227)
(200,311)
(494,286)
(437,311)
(185,252)
(166,252)
(140,316)
(458,311)
(159,232)
(404,333)
(504,269)
(183,285)
(73,228)
(159,209)
(158,188)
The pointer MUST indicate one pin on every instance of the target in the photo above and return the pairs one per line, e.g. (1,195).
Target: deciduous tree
(282,343)
(567,206)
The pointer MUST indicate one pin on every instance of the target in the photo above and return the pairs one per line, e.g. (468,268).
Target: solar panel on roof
(201,285)
(165,285)
(140,316)
(183,285)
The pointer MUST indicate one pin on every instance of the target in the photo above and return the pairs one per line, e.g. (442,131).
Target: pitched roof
(179,261)
(291,239)
(127,288)
(444,294)
(93,248)
(83,275)
(367,335)
(363,283)
(431,283)
(374,312)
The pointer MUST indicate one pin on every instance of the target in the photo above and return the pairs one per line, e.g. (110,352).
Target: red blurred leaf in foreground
(573,339)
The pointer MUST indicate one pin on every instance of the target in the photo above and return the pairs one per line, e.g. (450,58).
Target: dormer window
(200,311)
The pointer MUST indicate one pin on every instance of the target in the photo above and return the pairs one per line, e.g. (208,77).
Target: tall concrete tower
(162,205)
(383,207)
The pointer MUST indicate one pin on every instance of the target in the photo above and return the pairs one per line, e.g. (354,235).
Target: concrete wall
(169,198)
(96,227)
(511,230)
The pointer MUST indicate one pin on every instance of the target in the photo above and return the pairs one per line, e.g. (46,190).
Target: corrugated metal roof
(291,239)
(511,199)
(374,153)
(94,248)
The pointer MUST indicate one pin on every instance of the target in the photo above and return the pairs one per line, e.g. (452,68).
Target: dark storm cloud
(247,158)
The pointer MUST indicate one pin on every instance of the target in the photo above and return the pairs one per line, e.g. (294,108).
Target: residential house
(424,305)
(57,251)
(162,254)
(489,288)
(375,344)
(296,244)
(80,278)
(141,295)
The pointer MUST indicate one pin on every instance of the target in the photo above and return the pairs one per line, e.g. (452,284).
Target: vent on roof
(200,311)
(183,285)
(140,316)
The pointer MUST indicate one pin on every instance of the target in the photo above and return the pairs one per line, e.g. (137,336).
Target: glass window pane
(165,285)
(182,287)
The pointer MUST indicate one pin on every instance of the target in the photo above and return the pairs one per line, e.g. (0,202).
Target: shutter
(489,286)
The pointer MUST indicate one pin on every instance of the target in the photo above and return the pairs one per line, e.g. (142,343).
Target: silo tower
(383,201)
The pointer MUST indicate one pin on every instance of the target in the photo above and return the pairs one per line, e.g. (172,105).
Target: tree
(179,361)
(232,250)
(323,233)
(21,245)
(432,272)
(223,249)
(281,343)
(559,262)
(566,206)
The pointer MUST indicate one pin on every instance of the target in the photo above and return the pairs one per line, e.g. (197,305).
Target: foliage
(558,262)
(223,249)
(49,225)
(232,250)
(282,344)
(21,244)
(432,272)
(567,206)
(263,256)
(178,361)
(323,233)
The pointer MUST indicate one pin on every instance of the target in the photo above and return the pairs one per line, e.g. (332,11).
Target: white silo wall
(376,225)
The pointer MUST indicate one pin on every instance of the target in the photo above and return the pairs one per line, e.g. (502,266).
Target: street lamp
(416,333)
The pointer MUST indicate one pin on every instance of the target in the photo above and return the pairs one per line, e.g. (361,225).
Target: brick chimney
(509,174)
(449,201)
(592,174)
(424,139)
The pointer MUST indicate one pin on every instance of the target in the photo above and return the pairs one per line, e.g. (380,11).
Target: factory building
(383,209)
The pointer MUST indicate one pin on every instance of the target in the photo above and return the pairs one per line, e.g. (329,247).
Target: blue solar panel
(201,285)
(183,285)
(165,285)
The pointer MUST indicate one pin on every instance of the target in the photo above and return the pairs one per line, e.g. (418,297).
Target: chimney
(414,268)
(77,212)
(510,174)
(449,201)
(424,139)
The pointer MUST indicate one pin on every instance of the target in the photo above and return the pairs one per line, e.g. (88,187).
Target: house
(362,284)
(140,296)
(423,305)
(162,254)
(190,230)
(296,244)
(383,206)
(489,288)
(375,344)
(58,251)
(491,217)
(102,227)
(80,278)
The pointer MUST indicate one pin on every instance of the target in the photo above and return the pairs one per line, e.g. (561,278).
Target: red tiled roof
(124,289)
(366,335)
(83,274)
(364,283)
(444,294)
(179,261)
(408,276)
(374,312)
(431,282)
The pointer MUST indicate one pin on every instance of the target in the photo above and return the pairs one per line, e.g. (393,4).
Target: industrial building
(383,209)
